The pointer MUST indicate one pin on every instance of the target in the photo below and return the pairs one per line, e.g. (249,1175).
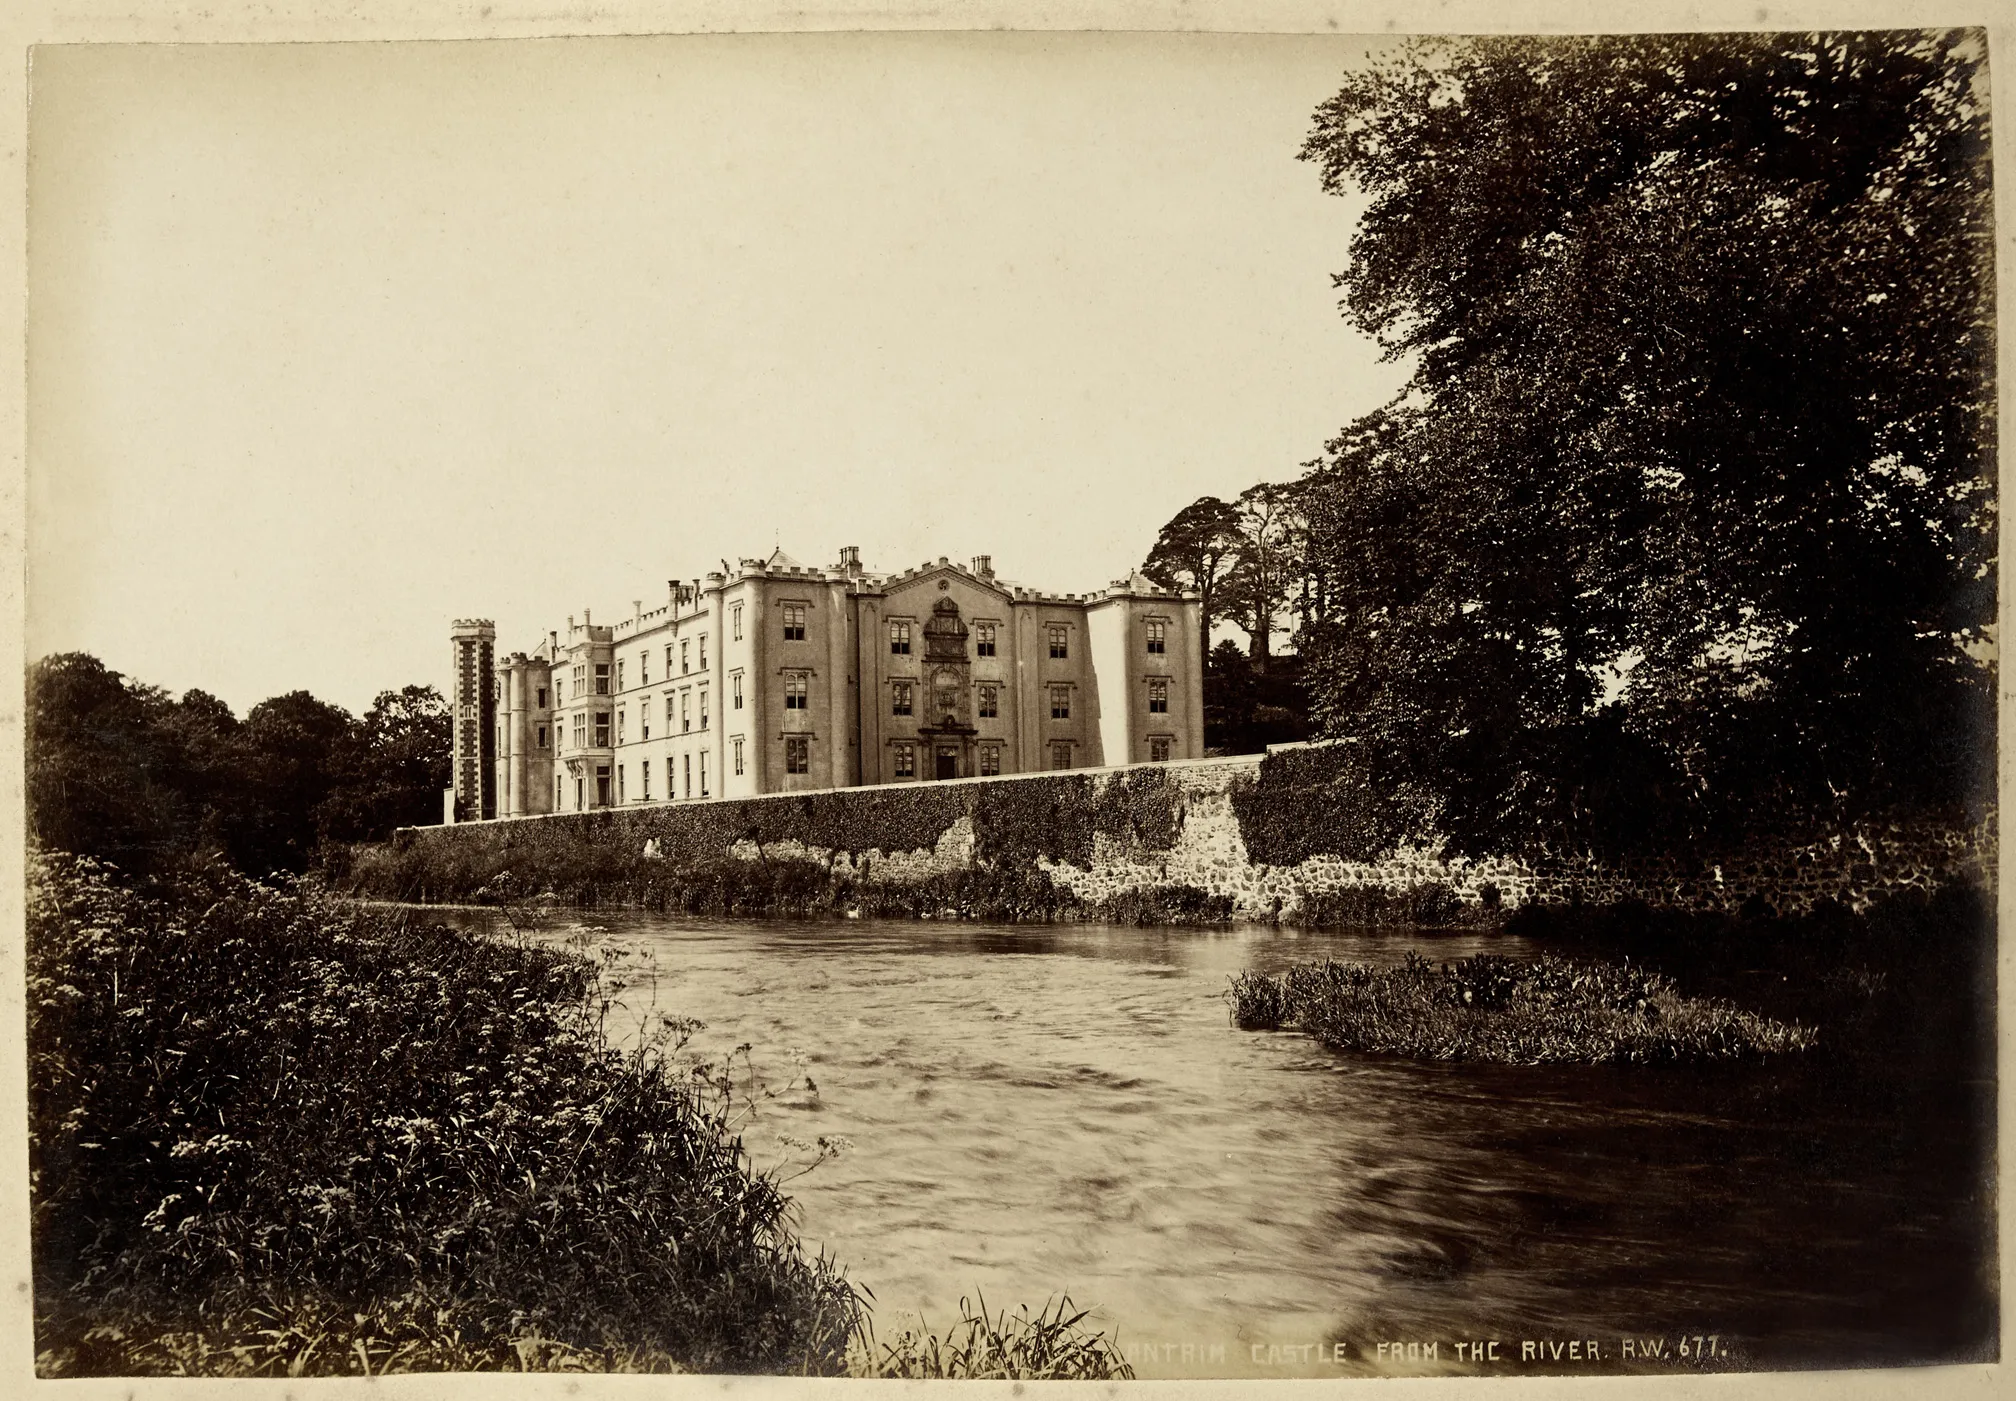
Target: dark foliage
(122,771)
(1687,516)
(1247,710)
(276,1132)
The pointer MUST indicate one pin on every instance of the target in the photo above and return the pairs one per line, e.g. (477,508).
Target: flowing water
(1035,1110)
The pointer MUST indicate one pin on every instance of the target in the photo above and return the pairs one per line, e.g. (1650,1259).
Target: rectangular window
(703,667)
(644,718)
(906,761)
(644,773)
(580,729)
(559,689)
(644,668)
(559,793)
(794,622)
(703,707)
(619,781)
(990,760)
(1060,756)
(542,699)
(622,717)
(1158,749)
(688,767)
(601,785)
(668,661)
(983,639)
(685,712)
(684,647)
(738,756)
(601,729)
(542,736)
(1060,702)
(990,702)
(794,690)
(1157,632)
(601,678)
(899,639)
(703,773)
(735,685)
(580,676)
(580,802)
(619,673)
(735,621)
(797,754)
(668,713)
(899,703)
(1158,695)
(1060,640)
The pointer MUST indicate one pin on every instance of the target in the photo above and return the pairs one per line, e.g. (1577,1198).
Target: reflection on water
(1042,1109)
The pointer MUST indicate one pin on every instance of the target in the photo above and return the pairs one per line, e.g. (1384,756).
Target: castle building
(776,677)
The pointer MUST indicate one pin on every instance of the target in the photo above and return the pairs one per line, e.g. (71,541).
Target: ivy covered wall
(1268,837)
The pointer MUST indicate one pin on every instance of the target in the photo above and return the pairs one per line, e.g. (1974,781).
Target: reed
(1052,1345)
(1497,1009)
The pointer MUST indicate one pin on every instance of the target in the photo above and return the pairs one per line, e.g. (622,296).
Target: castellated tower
(475,708)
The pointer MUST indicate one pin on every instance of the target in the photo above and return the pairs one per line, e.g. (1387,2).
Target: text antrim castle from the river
(778,677)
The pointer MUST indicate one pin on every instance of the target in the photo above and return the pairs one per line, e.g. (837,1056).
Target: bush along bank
(766,884)
(1497,1009)
(276,1133)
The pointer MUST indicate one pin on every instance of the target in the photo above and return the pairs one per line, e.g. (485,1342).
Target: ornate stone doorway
(948,761)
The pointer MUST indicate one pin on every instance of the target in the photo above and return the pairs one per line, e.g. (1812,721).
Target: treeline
(125,772)
(1686,519)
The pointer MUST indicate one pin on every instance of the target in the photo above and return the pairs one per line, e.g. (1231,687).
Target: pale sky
(331,344)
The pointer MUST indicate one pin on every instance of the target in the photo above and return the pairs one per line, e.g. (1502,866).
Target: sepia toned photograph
(946,705)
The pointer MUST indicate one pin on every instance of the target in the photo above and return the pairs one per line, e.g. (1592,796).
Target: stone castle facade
(779,677)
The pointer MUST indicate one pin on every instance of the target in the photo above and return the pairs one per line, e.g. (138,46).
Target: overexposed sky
(330,344)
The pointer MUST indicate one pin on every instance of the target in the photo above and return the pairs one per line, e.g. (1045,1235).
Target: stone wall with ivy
(1268,833)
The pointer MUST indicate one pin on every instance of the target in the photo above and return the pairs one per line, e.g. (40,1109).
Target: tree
(1687,512)
(297,748)
(1267,562)
(1195,553)
(100,777)
(393,770)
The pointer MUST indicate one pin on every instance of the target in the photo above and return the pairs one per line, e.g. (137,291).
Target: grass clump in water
(1052,1345)
(1498,1009)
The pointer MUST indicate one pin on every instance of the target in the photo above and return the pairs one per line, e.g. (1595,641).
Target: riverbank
(273,1132)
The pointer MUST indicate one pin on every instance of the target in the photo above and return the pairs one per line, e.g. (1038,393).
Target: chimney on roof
(850,558)
(983,565)
(586,620)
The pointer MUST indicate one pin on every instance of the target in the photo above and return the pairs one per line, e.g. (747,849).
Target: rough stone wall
(1110,832)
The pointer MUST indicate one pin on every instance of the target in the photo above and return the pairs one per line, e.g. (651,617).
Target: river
(1035,1110)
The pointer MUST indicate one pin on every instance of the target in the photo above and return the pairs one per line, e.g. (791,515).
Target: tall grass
(1052,1345)
(1497,1009)
(273,1132)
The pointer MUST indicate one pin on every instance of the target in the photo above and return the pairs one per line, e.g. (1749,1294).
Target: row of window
(984,644)
(903,694)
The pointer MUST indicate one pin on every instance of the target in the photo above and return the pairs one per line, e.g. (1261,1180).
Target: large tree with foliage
(1687,514)
(1196,552)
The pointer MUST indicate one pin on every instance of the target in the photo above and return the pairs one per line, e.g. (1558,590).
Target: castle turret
(474,641)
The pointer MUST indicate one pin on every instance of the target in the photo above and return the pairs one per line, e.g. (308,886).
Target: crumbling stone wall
(1105,833)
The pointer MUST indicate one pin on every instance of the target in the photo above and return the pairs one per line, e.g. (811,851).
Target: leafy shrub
(1498,1009)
